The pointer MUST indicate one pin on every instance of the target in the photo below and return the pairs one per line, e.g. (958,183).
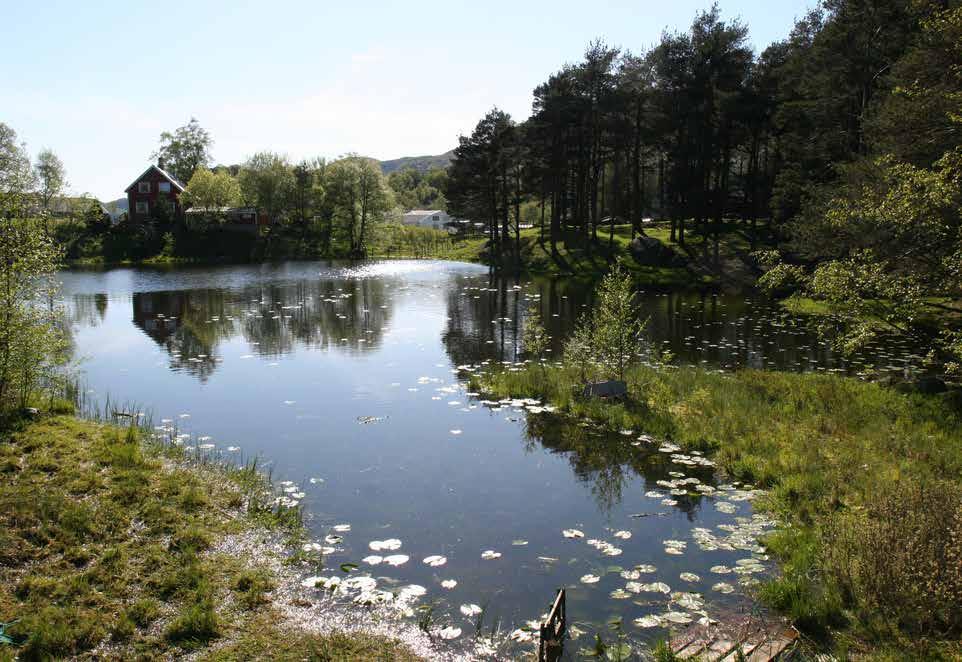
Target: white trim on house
(173,180)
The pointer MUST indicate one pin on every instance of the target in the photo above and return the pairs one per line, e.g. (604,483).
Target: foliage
(359,199)
(212,192)
(266,182)
(184,150)
(414,189)
(32,344)
(17,178)
(615,326)
(535,340)
(898,560)
(50,175)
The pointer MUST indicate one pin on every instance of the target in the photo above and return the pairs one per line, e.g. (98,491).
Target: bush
(901,555)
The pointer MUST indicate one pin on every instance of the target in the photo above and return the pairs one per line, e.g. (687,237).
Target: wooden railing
(552,631)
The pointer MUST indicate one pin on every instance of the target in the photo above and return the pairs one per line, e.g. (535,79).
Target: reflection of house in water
(172,320)
(157,313)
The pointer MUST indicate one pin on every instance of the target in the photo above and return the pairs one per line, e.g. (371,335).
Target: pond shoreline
(119,546)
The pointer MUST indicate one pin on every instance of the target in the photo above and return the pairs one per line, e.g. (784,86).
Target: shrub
(901,556)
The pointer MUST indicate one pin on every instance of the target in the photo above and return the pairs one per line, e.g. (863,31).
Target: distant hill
(419,163)
(116,206)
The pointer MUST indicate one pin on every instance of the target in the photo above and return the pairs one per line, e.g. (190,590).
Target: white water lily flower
(648,621)
(490,554)
(590,579)
(435,561)
(470,610)
(455,431)
(396,559)
(630,574)
(342,528)
(690,577)
(373,559)
(449,632)
(572,533)
(624,535)
(449,583)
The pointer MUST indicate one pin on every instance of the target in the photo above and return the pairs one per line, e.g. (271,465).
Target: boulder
(651,252)
(608,389)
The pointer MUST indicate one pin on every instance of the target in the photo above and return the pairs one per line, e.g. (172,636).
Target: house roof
(173,180)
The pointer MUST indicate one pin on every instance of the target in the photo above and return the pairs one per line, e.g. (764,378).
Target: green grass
(106,539)
(866,481)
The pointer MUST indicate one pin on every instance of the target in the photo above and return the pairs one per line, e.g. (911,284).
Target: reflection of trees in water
(344,313)
(698,328)
(608,462)
(86,309)
(190,324)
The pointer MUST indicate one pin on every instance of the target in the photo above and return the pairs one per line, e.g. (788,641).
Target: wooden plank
(693,649)
(770,649)
(746,648)
(720,647)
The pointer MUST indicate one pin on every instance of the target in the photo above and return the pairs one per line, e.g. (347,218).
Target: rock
(609,389)
(651,252)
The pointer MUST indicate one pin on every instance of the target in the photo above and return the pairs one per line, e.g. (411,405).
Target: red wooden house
(148,190)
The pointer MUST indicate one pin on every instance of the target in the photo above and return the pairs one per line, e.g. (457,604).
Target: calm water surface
(344,379)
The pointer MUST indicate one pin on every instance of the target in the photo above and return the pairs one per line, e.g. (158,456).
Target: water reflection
(191,324)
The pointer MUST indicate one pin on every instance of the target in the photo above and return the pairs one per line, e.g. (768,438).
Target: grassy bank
(866,480)
(108,549)
(696,265)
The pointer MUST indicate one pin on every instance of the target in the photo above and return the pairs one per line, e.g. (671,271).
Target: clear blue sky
(98,81)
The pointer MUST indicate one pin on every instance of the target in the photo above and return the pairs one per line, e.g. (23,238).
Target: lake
(347,381)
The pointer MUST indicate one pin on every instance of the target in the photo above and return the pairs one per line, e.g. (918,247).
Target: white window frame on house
(141,207)
(143,187)
(163,187)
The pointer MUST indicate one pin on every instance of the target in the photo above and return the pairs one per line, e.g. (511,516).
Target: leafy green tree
(17,179)
(359,200)
(266,182)
(211,193)
(535,338)
(50,175)
(184,150)
(615,324)
(32,344)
